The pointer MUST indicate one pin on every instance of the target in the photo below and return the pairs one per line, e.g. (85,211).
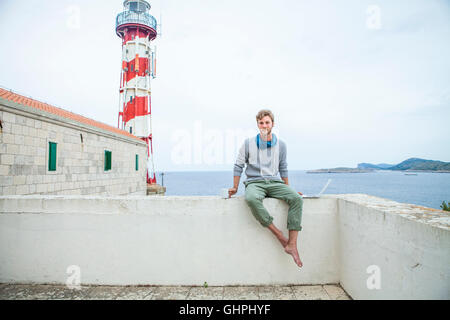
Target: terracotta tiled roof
(17,98)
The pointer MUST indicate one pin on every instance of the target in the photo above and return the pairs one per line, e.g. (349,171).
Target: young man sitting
(265,156)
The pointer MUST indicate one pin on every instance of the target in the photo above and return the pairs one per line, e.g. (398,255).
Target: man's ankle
(292,244)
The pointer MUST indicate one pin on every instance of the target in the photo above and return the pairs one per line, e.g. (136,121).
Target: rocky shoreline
(341,170)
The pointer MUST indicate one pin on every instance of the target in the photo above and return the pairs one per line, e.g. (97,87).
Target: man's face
(265,126)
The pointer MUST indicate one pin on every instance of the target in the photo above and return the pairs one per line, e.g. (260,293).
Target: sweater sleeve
(283,161)
(240,162)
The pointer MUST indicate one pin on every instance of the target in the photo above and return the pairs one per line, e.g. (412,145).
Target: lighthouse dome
(137,5)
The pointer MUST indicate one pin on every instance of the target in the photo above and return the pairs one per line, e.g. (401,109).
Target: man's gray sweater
(263,161)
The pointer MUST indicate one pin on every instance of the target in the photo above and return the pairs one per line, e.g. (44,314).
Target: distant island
(341,170)
(412,164)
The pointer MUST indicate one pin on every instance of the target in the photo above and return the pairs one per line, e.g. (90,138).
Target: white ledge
(176,240)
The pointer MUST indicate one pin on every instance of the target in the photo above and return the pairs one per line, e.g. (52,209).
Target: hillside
(410,164)
(421,164)
(374,166)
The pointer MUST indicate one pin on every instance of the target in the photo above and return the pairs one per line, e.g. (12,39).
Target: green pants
(256,191)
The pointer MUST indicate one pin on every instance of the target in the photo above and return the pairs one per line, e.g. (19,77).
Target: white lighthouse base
(155,189)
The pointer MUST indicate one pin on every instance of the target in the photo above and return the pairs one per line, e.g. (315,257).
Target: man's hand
(300,193)
(232,191)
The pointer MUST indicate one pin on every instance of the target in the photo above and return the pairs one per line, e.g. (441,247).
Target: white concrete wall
(161,241)
(409,244)
(190,240)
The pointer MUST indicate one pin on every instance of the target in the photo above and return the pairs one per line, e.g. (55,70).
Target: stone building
(50,151)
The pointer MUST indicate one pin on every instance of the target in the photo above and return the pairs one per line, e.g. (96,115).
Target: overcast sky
(348,81)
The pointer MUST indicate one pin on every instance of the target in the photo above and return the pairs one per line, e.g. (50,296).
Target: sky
(348,81)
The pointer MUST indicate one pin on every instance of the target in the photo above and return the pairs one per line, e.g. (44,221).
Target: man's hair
(264,113)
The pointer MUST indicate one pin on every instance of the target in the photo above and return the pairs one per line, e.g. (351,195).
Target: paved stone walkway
(53,292)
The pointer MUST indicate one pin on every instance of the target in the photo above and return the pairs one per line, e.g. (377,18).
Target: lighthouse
(137,29)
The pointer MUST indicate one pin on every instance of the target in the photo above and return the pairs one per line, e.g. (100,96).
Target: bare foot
(292,250)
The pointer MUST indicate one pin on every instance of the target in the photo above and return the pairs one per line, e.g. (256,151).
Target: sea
(427,189)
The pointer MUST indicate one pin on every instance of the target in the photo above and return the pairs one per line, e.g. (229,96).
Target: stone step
(55,292)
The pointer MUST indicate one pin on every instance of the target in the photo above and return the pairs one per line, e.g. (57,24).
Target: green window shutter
(52,156)
(108,160)
(137,162)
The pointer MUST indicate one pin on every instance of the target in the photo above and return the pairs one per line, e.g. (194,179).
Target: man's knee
(295,198)
(252,200)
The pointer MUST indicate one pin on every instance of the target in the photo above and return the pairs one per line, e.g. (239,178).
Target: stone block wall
(24,151)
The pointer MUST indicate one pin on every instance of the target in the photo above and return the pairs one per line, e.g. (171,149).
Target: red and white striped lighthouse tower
(137,28)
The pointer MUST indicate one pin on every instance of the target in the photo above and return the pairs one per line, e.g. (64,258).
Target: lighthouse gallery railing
(134,17)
